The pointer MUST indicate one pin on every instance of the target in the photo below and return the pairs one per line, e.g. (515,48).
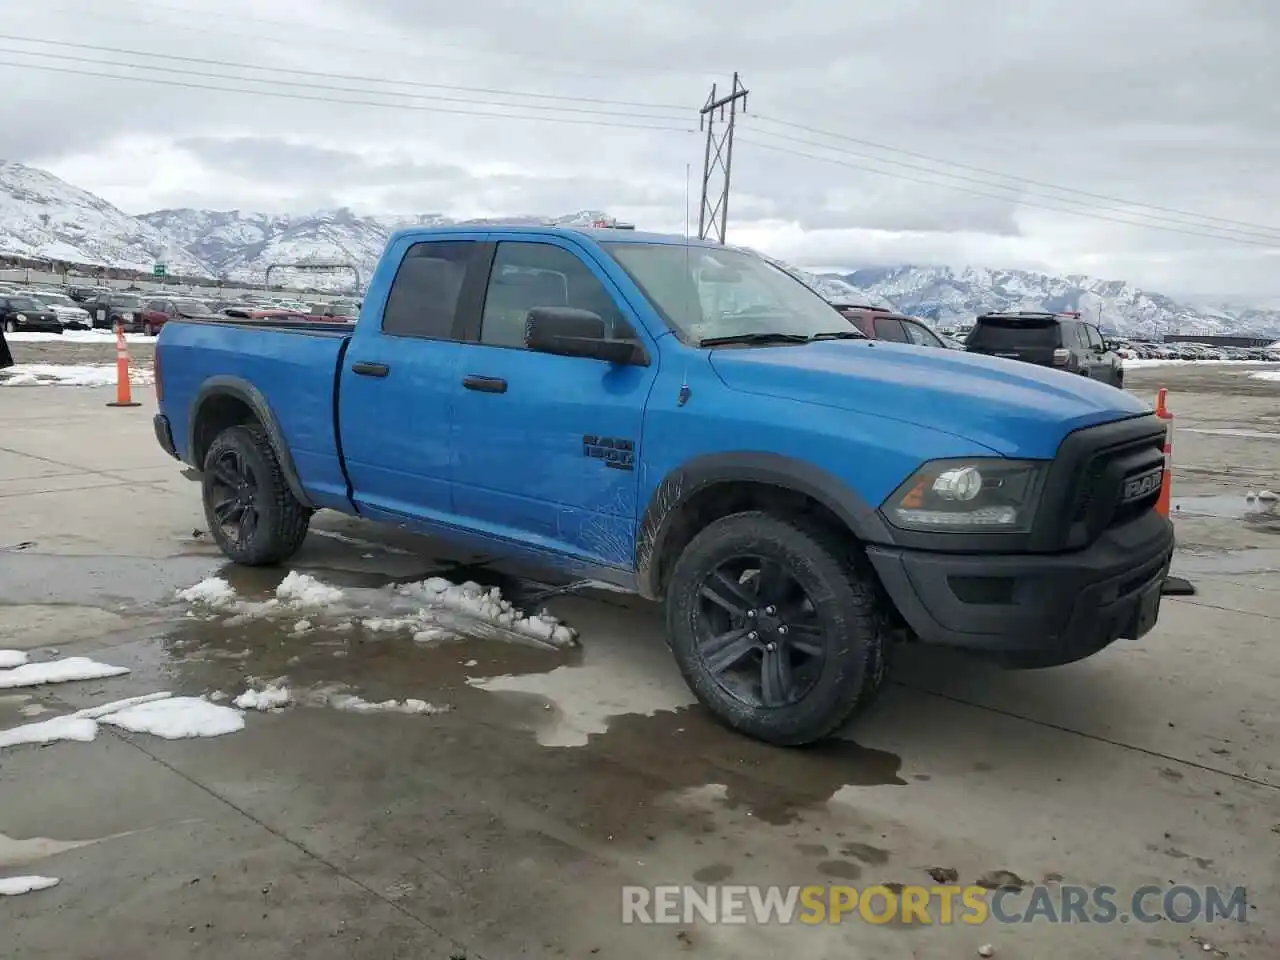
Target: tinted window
(889,328)
(22,303)
(423,301)
(1009,333)
(530,275)
(920,334)
(860,320)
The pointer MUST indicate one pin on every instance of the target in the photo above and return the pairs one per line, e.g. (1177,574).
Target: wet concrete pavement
(507,825)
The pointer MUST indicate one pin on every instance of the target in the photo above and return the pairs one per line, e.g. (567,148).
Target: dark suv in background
(1060,340)
(881,324)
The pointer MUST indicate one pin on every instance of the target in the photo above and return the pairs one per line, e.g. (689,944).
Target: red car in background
(881,324)
(155,313)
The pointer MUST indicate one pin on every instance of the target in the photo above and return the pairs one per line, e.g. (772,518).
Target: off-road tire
(841,587)
(283,521)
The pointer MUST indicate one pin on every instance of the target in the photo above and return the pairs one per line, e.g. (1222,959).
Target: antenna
(687,174)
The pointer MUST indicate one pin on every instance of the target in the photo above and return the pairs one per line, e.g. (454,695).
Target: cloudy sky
(880,132)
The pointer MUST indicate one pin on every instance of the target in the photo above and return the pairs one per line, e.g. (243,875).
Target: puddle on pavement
(1260,515)
(1232,562)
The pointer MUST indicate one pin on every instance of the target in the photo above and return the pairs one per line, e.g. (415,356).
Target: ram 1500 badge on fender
(689,422)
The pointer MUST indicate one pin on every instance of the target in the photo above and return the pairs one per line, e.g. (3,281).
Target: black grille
(1082,497)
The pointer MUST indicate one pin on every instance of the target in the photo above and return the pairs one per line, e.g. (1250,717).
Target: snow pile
(268,698)
(211,591)
(430,610)
(350,703)
(159,714)
(57,671)
(12,658)
(178,718)
(17,886)
(1273,375)
(1174,362)
(69,375)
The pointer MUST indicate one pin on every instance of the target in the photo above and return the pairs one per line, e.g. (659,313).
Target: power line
(994,196)
(157,81)
(290,71)
(457,49)
(1009,176)
(1019,192)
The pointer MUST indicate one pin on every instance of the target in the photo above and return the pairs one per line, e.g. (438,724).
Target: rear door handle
(485,384)
(370,369)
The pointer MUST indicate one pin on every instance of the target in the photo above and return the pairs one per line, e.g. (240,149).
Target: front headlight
(981,495)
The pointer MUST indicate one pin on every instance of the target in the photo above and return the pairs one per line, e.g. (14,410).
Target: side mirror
(569,332)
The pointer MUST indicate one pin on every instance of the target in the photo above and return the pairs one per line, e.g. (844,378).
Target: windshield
(131,302)
(705,293)
(61,299)
(24,303)
(192,307)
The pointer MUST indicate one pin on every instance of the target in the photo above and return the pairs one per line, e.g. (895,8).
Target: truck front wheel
(774,628)
(252,514)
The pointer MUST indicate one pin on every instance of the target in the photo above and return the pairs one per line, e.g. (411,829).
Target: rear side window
(424,296)
(887,328)
(1011,333)
(921,335)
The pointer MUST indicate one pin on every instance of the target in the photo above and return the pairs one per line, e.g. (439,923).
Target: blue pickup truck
(689,422)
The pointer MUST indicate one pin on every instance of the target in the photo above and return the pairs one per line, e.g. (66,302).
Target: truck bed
(290,366)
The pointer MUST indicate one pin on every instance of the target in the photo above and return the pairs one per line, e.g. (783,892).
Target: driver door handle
(366,369)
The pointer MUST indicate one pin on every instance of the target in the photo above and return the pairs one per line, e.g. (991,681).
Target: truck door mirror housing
(570,332)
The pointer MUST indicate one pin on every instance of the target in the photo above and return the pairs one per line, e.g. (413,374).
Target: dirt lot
(507,826)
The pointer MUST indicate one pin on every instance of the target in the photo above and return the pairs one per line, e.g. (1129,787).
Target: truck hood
(1016,409)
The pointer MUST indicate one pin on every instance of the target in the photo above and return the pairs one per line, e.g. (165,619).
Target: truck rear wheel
(774,628)
(252,514)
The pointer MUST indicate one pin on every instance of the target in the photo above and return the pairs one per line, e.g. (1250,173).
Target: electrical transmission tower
(718,161)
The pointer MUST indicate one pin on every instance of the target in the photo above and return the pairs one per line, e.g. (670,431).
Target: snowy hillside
(946,297)
(42,217)
(239,245)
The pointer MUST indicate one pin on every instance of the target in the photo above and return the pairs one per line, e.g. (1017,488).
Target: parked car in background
(1060,340)
(70,314)
(20,314)
(155,313)
(83,294)
(112,308)
(881,324)
(337,310)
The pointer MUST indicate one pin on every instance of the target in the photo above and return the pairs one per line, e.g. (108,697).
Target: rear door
(545,446)
(1030,339)
(399,380)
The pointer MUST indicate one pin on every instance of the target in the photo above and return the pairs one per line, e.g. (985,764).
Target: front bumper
(1034,610)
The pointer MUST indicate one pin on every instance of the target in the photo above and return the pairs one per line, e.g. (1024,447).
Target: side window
(861,321)
(889,328)
(1095,338)
(423,301)
(919,334)
(530,275)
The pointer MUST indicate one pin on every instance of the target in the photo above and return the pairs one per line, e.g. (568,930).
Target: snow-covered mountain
(947,296)
(239,245)
(44,218)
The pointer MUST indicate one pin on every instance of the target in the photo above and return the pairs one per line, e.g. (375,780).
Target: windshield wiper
(840,335)
(754,338)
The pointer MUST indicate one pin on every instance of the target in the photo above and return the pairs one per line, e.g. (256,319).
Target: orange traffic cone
(124,390)
(1166,482)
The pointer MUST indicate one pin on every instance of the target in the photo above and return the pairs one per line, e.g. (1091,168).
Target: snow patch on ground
(71,375)
(268,698)
(57,671)
(430,610)
(17,886)
(178,718)
(76,336)
(1136,364)
(1273,375)
(12,658)
(50,731)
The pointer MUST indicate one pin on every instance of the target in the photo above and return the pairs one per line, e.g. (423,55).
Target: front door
(398,381)
(546,446)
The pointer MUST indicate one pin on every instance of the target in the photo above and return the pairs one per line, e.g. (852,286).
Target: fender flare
(251,396)
(681,484)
